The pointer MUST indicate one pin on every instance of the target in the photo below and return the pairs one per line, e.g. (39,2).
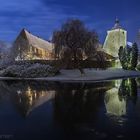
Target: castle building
(30,47)
(115,38)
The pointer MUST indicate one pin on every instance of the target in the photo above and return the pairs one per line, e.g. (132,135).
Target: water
(70,111)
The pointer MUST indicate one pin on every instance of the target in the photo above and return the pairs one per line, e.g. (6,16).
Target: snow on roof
(38,42)
(129,43)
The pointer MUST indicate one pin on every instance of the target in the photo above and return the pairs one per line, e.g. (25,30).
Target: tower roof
(117,24)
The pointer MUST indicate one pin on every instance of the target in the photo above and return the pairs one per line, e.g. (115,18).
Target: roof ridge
(37,41)
(37,37)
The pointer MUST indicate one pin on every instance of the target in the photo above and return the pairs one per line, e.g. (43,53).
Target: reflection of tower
(118,83)
(114,105)
(115,99)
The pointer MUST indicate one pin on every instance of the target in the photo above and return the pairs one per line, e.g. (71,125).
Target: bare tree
(66,56)
(57,39)
(75,36)
(92,42)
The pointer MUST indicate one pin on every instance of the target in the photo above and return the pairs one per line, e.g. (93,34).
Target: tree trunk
(75,59)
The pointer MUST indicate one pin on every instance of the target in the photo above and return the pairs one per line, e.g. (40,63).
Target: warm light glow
(114,105)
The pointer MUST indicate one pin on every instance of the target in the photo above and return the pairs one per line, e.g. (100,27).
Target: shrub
(29,71)
(38,70)
(128,57)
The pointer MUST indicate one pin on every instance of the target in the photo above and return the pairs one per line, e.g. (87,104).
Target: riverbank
(91,75)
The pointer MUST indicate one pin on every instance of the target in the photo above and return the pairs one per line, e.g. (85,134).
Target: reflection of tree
(77,105)
(128,88)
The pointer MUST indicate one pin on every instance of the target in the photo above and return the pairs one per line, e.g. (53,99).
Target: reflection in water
(78,104)
(26,96)
(73,100)
(128,88)
(70,108)
(74,106)
(29,99)
(116,98)
(114,105)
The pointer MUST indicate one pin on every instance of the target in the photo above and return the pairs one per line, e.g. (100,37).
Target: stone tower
(115,38)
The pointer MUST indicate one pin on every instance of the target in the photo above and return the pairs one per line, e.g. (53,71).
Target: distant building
(115,38)
(29,47)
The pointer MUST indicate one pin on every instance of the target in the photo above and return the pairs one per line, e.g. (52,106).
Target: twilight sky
(42,17)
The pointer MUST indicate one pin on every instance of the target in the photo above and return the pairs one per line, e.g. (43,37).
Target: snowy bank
(91,75)
(28,71)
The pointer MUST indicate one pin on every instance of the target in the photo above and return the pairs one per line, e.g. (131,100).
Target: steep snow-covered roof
(37,42)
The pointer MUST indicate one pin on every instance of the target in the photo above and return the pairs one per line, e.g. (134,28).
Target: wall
(115,39)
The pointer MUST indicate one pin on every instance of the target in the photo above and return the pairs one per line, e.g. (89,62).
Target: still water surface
(70,111)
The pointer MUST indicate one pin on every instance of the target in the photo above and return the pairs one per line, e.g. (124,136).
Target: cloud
(42,17)
(34,15)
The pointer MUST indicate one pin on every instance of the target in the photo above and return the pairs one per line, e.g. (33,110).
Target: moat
(70,111)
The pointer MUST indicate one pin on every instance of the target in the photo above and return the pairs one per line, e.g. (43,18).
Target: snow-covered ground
(90,75)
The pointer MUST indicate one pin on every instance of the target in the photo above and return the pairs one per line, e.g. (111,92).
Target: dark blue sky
(41,17)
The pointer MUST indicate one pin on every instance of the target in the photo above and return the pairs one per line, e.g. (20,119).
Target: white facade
(115,38)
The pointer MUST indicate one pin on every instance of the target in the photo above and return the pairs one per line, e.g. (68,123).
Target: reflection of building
(28,46)
(30,99)
(115,38)
(114,105)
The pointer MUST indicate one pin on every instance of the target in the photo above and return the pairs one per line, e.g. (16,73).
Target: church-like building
(30,47)
(116,37)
